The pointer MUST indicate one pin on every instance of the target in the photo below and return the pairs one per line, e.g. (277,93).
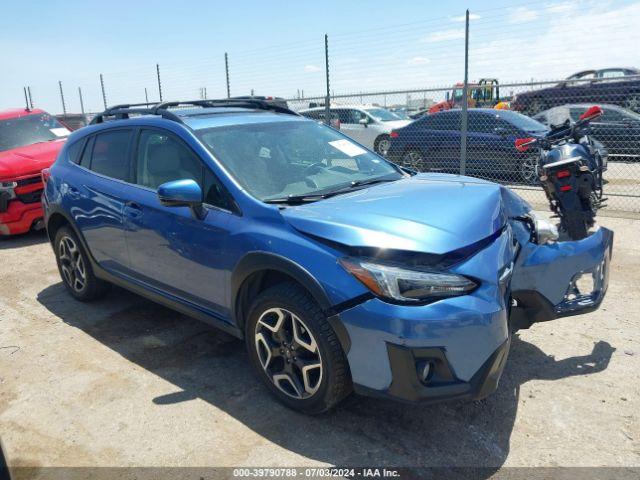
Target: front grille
(29,181)
(31,197)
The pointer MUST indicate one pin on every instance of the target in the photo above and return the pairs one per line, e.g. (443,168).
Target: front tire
(295,351)
(576,227)
(75,268)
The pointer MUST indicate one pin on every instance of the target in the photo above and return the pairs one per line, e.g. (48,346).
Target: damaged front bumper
(456,348)
(560,279)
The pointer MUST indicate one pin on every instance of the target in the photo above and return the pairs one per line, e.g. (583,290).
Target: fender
(256,261)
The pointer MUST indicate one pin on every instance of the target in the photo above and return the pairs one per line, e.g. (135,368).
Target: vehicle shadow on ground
(23,240)
(211,365)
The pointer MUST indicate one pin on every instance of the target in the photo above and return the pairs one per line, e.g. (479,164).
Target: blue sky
(277,47)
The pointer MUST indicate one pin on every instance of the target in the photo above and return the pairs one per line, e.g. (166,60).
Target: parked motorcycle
(570,170)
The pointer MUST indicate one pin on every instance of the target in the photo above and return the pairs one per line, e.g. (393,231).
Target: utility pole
(159,82)
(64,107)
(30,98)
(104,96)
(327,99)
(146,95)
(465,98)
(26,99)
(81,102)
(226,69)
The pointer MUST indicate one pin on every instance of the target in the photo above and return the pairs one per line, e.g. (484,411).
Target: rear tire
(413,158)
(576,228)
(294,350)
(75,267)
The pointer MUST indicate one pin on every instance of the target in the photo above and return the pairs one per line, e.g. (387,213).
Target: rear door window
(85,159)
(110,156)
(74,150)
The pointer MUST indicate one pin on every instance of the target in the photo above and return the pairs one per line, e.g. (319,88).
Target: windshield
(29,129)
(382,115)
(292,158)
(521,121)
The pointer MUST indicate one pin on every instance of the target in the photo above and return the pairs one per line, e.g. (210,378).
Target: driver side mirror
(364,121)
(182,193)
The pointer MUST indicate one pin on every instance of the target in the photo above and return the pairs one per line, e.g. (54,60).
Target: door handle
(132,209)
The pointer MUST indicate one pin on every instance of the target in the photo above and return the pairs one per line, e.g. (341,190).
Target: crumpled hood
(431,213)
(30,159)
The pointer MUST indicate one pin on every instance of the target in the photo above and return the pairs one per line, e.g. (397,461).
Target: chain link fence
(423,129)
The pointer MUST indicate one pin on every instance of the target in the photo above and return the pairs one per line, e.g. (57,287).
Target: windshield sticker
(265,152)
(348,148)
(60,132)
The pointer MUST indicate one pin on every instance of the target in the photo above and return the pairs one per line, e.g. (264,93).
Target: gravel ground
(124,382)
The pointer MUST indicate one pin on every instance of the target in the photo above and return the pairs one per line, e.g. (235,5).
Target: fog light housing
(424,369)
(584,283)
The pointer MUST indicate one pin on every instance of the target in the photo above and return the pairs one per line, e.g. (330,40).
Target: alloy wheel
(529,170)
(412,159)
(72,264)
(288,353)
(383,146)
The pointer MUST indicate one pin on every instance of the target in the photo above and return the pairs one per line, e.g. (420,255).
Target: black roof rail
(229,102)
(162,108)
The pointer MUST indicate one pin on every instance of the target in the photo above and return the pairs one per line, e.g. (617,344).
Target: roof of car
(198,113)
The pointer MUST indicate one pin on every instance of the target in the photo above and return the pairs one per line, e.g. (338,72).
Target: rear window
(110,154)
(74,150)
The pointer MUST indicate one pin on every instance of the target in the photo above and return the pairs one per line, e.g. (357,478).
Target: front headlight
(8,187)
(404,284)
(546,232)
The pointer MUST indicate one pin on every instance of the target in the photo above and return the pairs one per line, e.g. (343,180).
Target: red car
(29,142)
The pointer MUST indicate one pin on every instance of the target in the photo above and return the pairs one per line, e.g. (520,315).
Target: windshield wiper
(313,197)
(371,181)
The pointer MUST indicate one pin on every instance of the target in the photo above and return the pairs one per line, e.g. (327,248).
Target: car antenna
(26,100)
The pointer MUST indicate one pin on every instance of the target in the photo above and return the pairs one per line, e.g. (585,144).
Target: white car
(369,125)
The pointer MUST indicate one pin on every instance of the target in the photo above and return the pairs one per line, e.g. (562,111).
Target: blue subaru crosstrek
(341,270)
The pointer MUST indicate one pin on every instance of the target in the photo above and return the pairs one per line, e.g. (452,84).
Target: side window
(344,115)
(110,154)
(612,73)
(74,150)
(162,158)
(214,193)
(85,159)
(357,115)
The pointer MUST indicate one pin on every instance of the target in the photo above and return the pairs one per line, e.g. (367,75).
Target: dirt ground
(124,382)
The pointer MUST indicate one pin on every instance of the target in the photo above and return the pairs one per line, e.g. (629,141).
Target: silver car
(369,125)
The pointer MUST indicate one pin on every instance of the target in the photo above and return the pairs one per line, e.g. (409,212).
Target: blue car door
(171,249)
(97,191)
